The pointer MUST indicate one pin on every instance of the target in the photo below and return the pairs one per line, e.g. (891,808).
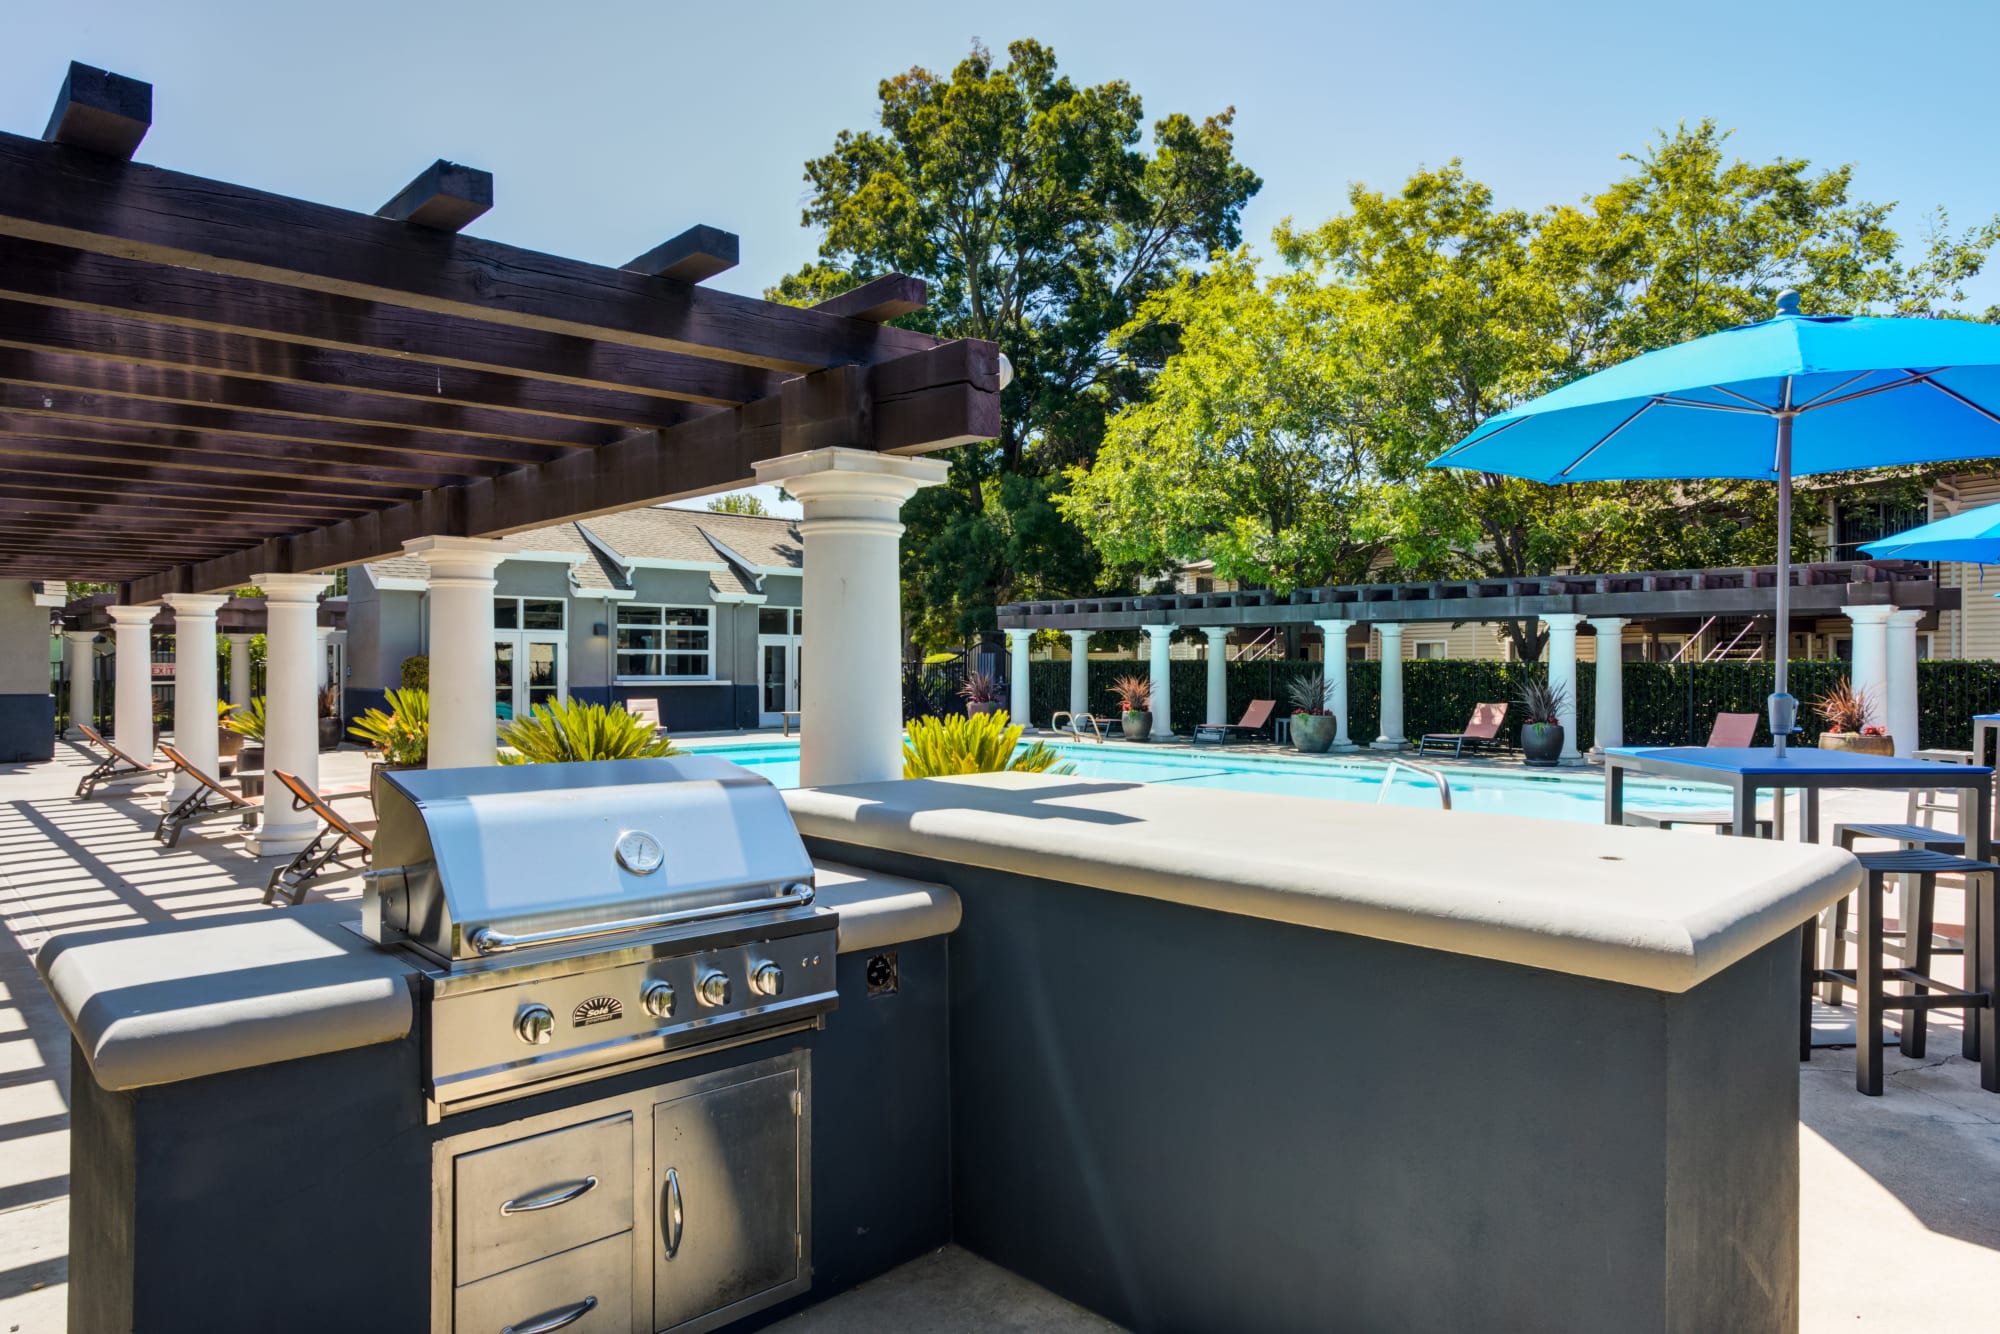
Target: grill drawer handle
(569,1315)
(528,1204)
(489,941)
(670,1205)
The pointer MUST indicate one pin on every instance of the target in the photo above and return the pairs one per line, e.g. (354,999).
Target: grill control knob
(658,998)
(768,980)
(713,990)
(535,1024)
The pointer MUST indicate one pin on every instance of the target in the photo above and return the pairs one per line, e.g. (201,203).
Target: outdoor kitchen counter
(1643,907)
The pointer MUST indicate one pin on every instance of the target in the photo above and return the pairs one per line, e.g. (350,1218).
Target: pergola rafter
(201,382)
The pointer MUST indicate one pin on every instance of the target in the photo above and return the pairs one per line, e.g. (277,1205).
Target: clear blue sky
(611,126)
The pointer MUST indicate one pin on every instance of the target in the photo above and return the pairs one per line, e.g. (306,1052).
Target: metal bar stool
(1869,975)
(1908,836)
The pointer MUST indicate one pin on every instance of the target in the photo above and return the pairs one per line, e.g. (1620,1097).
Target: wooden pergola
(201,381)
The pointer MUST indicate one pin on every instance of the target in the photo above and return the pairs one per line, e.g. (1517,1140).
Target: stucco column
(240,670)
(194,685)
(291,719)
(1391,737)
(1160,673)
(460,607)
(1017,676)
(322,670)
(132,695)
(80,665)
(1079,672)
(1562,675)
(1333,663)
(1610,682)
(851,687)
(1901,701)
(1869,670)
(1218,675)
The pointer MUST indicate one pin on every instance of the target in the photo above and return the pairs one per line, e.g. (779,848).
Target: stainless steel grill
(570,920)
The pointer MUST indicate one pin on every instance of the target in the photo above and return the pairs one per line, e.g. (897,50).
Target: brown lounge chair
(1251,723)
(1731,731)
(646,711)
(210,800)
(326,848)
(115,767)
(1482,730)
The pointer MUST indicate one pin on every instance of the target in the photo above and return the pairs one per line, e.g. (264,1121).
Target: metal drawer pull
(528,1204)
(567,1316)
(487,940)
(671,1207)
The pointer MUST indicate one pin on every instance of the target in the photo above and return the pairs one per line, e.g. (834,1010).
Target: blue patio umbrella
(1784,397)
(1972,537)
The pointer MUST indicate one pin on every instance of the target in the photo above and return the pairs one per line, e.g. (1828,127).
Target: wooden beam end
(878,301)
(445,197)
(100,112)
(696,254)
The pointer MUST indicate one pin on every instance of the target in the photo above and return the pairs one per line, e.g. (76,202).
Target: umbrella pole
(1784,709)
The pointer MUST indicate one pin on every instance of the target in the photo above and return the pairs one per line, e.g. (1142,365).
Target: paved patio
(1900,1226)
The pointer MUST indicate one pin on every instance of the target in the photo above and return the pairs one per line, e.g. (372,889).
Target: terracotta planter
(1138,724)
(1856,742)
(1541,744)
(227,743)
(1313,733)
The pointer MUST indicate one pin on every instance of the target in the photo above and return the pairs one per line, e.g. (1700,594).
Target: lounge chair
(1737,731)
(1251,723)
(326,848)
(115,767)
(645,710)
(1483,730)
(1732,731)
(210,800)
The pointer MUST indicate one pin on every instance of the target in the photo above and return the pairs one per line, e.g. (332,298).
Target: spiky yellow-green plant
(402,733)
(983,743)
(575,730)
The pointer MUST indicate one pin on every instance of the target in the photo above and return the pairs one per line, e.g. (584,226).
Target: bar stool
(1925,803)
(1869,976)
(1908,836)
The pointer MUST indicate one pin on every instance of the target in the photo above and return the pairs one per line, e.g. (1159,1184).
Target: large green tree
(1042,216)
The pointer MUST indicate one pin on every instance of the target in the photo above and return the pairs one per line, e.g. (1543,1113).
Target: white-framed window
(665,643)
(530,613)
(1430,650)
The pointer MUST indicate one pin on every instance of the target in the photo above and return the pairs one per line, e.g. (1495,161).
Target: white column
(1391,737)
(1901,701)
(1562,675)
(194,685)
(851,687)
(132,697)
(1869,670)
(460,607)
(1017,676)
(291,717)
(1610,682)
(1333,662)
(80,663)
(1079,671)
(1218,675)
(239,669)
(1160,672)
(321,668)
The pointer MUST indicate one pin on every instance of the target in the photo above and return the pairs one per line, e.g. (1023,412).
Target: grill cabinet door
(726,1169)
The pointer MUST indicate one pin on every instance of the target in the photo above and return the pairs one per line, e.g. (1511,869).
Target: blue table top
(1799,762)
(1986,717)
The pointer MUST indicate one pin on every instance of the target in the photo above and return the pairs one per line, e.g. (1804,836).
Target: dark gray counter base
(1192,1121)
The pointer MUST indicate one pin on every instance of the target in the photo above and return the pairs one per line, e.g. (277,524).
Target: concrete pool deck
(1900,1228)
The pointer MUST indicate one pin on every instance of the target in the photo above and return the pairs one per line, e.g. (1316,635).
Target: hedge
(1666,704)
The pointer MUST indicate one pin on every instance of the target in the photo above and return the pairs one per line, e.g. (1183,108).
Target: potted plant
(1844,710)
(1313,723)
(399,736)
(571,730)
(247,722)
(228,741)
(1135,700)
(329,718)
(1542,702)
(981,692)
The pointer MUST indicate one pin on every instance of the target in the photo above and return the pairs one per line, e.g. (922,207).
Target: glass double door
(528,669)
(778,630)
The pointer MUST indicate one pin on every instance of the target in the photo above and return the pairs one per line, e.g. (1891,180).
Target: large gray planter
(1138,724)
(1313,733)
(1541,744)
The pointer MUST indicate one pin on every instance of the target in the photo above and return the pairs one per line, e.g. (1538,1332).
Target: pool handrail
(1435,775)
(1096,724)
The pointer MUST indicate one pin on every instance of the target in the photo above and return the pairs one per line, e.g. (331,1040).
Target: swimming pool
(1561,796)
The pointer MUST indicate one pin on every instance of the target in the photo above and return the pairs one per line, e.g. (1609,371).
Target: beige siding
(1973,631)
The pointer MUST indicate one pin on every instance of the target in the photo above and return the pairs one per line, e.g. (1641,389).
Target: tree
(1040,222)
(738,502)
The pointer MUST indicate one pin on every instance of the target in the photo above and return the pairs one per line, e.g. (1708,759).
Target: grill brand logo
(596,1010)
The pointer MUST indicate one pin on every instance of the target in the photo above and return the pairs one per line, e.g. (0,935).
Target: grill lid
(471,860)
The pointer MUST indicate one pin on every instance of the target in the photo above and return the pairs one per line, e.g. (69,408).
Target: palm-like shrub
(571,730)
(247,721)
(980,743)
(402,733)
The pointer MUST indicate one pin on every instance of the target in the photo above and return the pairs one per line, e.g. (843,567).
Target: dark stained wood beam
(137,526)
(143,548)
(883,299)
(287,462)
(699,252)
(85,280)
(82,490)
(149,510)
(949,395)
(167,218)
(434,396)
(100,112)
(444,197)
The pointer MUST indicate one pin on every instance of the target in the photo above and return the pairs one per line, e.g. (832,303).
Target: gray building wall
(27,709)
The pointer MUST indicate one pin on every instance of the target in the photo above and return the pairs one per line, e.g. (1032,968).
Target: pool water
(1563,796)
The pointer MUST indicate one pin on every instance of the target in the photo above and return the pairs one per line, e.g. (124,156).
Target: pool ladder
(1076,721)
(1435,775)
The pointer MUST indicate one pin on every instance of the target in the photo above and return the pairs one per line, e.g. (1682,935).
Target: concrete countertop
(1662,910)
